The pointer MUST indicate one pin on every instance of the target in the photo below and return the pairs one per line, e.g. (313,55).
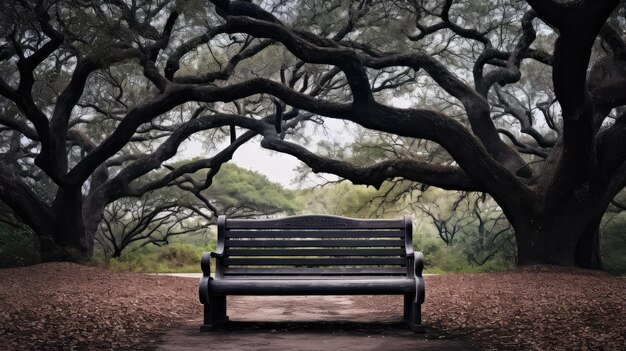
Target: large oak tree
(551,152)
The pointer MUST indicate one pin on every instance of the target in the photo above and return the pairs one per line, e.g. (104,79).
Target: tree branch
(309,50)
(25,203)
(446,177)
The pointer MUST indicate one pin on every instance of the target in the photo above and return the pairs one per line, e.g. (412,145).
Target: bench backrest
(314,245)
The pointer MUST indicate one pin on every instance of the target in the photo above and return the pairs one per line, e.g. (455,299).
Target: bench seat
(312,286)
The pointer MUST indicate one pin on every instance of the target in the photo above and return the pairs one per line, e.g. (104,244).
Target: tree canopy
(520,100)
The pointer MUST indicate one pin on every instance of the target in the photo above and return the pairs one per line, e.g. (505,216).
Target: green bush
(441,259)
(181,255)
(173,258)
(18,247)
(178,256)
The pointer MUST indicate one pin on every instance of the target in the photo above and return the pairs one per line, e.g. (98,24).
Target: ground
(306,323)
(65,306)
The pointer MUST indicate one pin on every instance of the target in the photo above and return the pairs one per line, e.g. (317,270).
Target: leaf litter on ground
(56,306)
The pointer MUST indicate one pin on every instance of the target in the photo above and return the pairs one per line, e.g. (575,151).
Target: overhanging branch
(446,177)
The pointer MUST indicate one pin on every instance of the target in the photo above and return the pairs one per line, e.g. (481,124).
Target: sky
(280,168)
(277,167)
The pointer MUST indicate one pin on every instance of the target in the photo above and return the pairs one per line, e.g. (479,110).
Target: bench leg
(413,313)
(214,313)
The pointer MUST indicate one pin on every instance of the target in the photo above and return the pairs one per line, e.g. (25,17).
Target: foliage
(18,247)
(477,247)
(441,258)
(183,252)
(249,193)
(341,199)
(181,256)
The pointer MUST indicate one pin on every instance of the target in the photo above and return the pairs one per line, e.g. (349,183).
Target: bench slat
(314,261)
(313,271)
(314,234)
(314,221)
(315,252)
(315,243)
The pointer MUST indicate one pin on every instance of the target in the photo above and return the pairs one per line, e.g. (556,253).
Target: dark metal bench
(312,255)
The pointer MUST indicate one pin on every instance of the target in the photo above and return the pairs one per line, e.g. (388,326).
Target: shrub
(173,258)
(18,247)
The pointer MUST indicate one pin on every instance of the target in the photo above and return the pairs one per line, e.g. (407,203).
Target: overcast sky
(278,167)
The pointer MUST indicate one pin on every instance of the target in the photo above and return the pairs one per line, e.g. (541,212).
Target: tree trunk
(568,237)
(49,251)
(588,247)
(69,230)
(93,211)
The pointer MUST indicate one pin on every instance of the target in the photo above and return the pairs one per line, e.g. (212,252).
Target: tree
(561,162)
(157,217)
(128,221)
(470,225)
(82,124)
(488,235)
(555,211)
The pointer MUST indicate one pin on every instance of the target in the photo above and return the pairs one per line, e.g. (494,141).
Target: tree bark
(588,247)
(564,237)
(35,213)
(93,211)
(69,229)
(49,251)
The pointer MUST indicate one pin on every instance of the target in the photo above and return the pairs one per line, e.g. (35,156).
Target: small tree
(157,217)
(488,235)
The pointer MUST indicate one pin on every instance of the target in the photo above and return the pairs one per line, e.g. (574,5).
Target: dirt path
(305,323)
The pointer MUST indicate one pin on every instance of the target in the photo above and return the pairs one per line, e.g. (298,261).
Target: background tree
(482,240)
(162,214)
(82,124)
(488,234)
(141,222)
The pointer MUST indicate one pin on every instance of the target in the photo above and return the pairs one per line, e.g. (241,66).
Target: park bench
(312,255)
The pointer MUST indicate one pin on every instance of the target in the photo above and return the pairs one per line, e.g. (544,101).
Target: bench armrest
(419,268)
(205,262)
(408,240)
(419,263)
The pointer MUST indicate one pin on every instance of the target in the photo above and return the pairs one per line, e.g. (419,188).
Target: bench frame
(215,302)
